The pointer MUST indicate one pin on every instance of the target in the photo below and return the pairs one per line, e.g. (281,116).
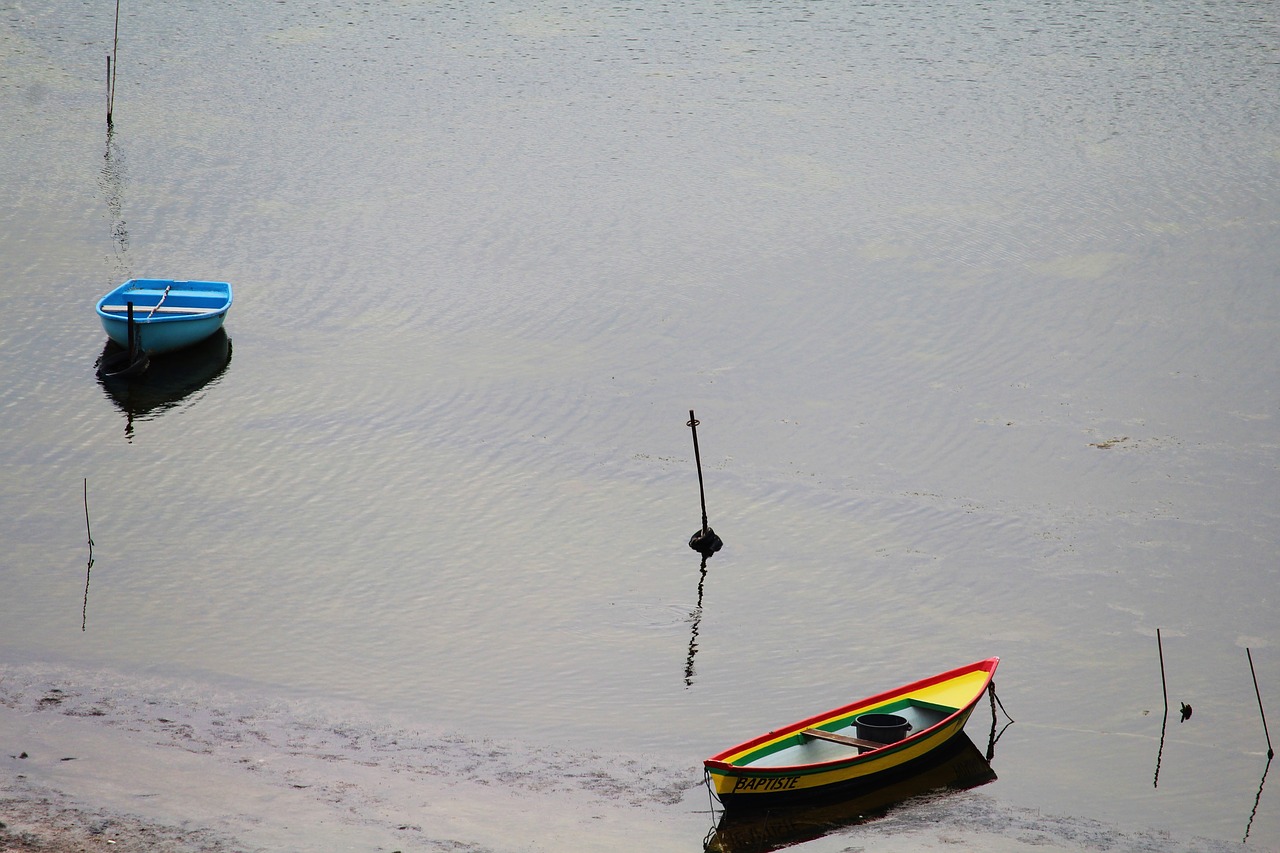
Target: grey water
(977,304)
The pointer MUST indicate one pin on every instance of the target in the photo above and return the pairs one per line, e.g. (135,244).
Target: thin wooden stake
(1163,686)
(84,613)
(1271,753)
(113,66)
(87,530)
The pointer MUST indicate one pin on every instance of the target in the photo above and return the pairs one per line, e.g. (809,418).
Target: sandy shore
(93,764)
(42,821)
(79,783)
(97,762)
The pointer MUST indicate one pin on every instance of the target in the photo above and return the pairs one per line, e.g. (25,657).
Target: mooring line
(993,738)
(711,797)
(992,688)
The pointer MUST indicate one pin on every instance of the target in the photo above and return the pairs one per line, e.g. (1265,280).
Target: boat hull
(788,766)
(957,766)
(186,312)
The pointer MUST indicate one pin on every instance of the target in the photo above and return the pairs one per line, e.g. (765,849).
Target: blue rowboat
(167,315)
(858,746)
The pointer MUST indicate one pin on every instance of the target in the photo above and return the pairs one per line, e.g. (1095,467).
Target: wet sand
(94,763)
(95,766)
(39,825)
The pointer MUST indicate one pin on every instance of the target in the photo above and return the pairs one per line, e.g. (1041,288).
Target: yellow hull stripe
(802,778)
(954,693)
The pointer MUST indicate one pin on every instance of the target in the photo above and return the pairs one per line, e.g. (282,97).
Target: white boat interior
(814,750)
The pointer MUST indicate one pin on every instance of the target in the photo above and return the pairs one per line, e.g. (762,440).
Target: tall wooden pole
(113,66)
(697,458)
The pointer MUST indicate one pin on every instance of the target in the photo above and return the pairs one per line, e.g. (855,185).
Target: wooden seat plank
(163,309)
(844,739)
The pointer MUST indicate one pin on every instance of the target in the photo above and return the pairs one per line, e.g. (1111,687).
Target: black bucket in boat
(882,728)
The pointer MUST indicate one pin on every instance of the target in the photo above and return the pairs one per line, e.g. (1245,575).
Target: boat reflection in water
(960,765)
(168,379)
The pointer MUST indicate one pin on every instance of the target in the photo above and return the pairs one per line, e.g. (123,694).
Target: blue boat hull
(168,315)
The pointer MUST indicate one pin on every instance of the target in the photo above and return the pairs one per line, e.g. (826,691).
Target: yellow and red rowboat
(958,766)
(843,751)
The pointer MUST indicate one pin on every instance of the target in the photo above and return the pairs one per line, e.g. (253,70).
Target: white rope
(163,297)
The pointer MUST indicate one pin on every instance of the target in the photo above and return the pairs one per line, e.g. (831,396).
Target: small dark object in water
(705,542)
(1186,712)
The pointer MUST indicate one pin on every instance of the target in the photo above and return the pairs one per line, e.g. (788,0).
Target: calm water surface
(977,305)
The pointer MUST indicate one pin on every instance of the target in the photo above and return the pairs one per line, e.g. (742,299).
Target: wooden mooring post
(704,541)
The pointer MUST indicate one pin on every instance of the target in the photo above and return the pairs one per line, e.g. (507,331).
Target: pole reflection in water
(697,620)
(1164,726)
(959,766)
(112,179)
(1271,753)
(170,378)
(1261,783)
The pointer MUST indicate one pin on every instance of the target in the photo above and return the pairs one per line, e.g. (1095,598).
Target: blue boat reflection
(168,380)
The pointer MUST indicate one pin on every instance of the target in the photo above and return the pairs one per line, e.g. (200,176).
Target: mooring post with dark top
(697,459)
(704,541)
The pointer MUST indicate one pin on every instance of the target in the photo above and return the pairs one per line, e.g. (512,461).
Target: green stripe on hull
(749,783)
(843,721)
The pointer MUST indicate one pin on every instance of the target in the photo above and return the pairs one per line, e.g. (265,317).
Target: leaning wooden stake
(1163,686)
(1271,753)
(113,65)
(88,531)
(84,613)
(697,459)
